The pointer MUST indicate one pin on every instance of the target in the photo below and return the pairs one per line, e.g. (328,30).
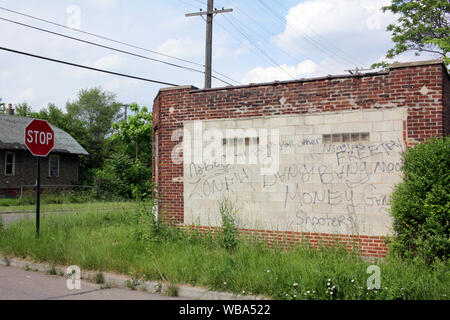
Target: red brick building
(340,143)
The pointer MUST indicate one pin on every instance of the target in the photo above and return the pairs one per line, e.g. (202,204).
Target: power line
(272,34)
(315,43)
(317,34)
(106,47)
(96,44)
(258,48)
(86,67)
(113,40)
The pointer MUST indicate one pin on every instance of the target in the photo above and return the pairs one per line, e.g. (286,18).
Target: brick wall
(422,89)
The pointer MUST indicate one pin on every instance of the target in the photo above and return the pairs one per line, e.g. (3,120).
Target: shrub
(420,204)
(123,177)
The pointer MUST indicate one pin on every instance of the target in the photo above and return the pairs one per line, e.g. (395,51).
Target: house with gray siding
(18,166)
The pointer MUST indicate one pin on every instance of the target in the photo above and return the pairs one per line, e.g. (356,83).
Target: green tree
(135,134)
(23,110)
(95,111)
(422,26)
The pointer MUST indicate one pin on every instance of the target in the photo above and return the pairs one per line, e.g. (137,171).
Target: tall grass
(107,242)
(56,197)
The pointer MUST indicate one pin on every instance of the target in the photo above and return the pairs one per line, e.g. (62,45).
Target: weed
(99,278)
(172,290)
(132,283)
(52,271)
(229,237)
(27,267)
(158,288)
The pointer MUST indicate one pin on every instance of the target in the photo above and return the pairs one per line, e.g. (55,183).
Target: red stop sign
(39,138)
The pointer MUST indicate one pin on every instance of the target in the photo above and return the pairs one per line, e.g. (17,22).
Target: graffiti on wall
(320,186)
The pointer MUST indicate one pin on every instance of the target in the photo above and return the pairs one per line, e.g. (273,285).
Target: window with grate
(346,137)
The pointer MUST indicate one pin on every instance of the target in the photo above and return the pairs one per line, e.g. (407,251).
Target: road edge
(123,282)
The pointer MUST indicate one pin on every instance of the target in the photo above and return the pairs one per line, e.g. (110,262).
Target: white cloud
(243,49)
(182,47)
(110,62)
(349,32)
(25,95)
(284,72)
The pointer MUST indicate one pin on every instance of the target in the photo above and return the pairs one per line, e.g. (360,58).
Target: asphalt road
(17,284)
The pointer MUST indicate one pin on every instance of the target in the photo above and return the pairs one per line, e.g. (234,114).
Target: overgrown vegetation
(122,177)
(119,147)
(50,197)
(229,235)
(107,242)
(421,203)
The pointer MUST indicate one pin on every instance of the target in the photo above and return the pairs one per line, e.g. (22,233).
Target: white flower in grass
(329,280)
(295,296)
(331,293)
(225,283)
(328,284)
(243,292)
(295,284)
(308,292)
(353,280)
(267,271)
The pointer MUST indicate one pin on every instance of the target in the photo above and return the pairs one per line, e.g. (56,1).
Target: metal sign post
(38,197)
(40,140)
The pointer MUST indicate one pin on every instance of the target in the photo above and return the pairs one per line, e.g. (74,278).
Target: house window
(10,160)
(54,166)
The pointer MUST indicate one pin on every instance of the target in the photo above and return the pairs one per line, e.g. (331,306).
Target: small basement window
(10,163)
(54,166)
(346,137)
(235,141)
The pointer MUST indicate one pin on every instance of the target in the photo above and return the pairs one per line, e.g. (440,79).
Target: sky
(260,41)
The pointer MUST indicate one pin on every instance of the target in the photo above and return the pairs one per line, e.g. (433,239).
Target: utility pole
(126,110)
(210,13)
